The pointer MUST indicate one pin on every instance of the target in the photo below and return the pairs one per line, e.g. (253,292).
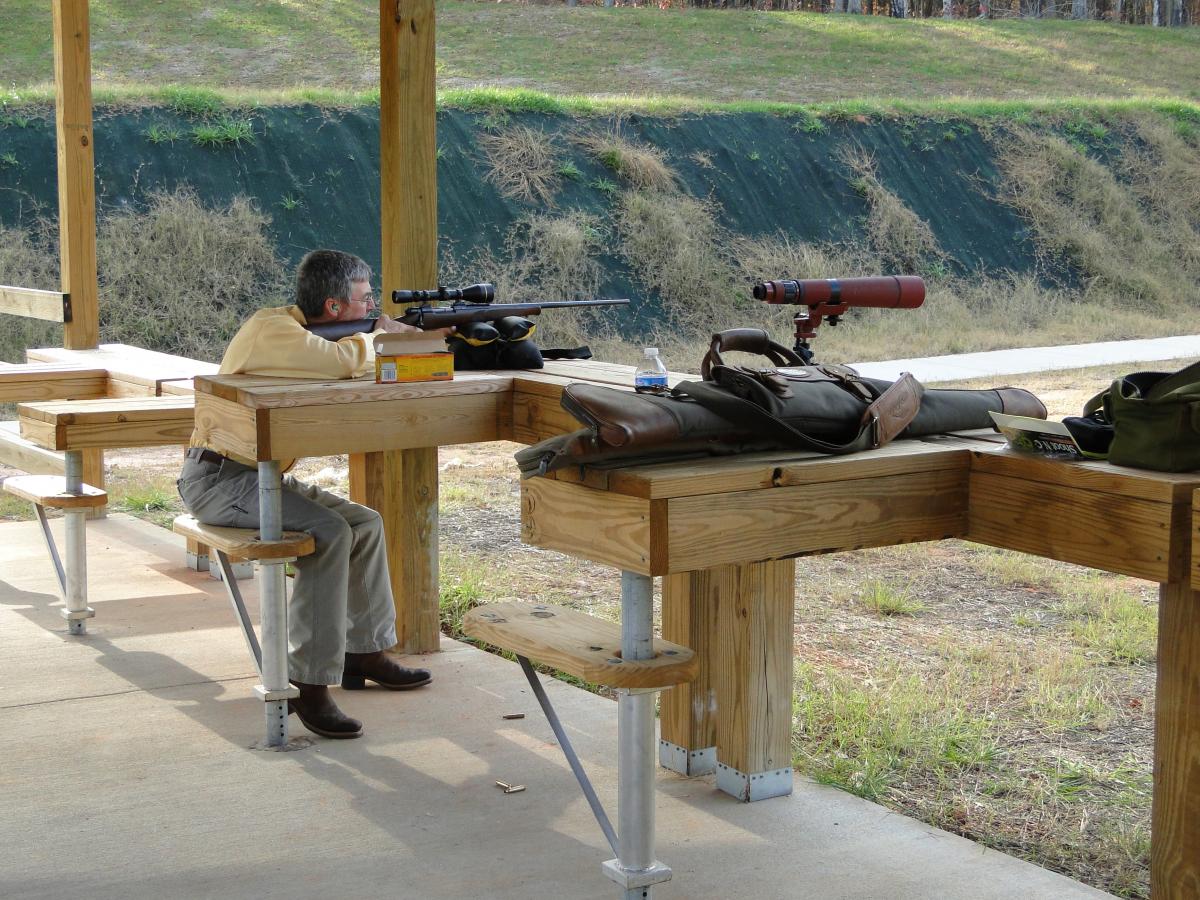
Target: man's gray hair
(327,273)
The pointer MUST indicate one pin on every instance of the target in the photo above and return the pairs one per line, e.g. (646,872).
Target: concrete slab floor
(126,773)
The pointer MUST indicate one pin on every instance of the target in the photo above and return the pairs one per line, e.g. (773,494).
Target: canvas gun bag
(740,409)
(1153,419)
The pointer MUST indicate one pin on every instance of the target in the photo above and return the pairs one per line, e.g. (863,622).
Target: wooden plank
(261,392)
(1114,532)
(49,490)
(688,714)
(403,488)
(388,425)
(578,520)
(51,381)
(536,417)
(244,543)
(229,428)
(76,170)
(748,526)
(1195,525)
(124,362)
(27,456)
(1175,817)
(578,644)
(1092,475)
(31,303)
(120,387)
(776,468)
(754,655)
(132,422)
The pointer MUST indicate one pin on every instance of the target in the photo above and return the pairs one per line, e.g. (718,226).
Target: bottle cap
(650,351)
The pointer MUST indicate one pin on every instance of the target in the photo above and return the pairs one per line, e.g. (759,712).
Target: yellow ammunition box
(414,367)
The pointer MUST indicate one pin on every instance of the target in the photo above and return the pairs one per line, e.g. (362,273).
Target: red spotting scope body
(833,296)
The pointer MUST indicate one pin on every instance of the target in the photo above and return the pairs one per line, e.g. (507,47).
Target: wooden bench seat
(578,644)
(50,490)
(25,455)
(244,543)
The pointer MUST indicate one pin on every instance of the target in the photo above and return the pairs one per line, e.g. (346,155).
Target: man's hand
(387,323)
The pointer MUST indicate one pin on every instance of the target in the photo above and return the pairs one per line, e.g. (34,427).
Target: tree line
(1128,12)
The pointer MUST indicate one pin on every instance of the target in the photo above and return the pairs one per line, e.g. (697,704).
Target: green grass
(708,55)
(223,132)
(163,134)
(886,599)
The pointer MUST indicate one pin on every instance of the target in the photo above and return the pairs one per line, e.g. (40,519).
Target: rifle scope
(475,293)
(883,291)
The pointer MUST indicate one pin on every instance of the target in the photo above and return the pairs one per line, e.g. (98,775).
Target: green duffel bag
(1155,418)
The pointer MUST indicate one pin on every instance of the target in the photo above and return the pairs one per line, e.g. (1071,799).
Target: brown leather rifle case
(740,409)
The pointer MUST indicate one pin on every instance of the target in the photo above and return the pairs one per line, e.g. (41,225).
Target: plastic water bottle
(651,374)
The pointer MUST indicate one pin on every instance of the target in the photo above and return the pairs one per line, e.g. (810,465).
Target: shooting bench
(724,534)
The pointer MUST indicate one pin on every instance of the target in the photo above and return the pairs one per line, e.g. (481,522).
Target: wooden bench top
(108,422)
(48,490)
(578,644)
(244,543)
(51,381)
(132,371)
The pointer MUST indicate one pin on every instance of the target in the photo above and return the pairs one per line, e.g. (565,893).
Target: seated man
(341,618)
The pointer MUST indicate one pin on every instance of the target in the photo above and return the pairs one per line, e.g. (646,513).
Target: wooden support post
(754,655)
(402,485)
(76,172)
(93,474)
(1175,820)
(687,712)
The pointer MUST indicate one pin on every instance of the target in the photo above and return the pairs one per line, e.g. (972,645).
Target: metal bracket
(687,762)
(756,785)
(66,308)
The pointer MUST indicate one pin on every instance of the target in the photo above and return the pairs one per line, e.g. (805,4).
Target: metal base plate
(687,762)
(197,562)
(756,785)
(636,878)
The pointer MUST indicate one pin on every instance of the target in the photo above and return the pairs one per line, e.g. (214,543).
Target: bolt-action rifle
(829,298)
(469,304)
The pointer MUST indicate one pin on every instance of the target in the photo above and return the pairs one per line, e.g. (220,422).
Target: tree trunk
(1158,14)
(854,6)
(1079,9)
(947,12)
(899,9)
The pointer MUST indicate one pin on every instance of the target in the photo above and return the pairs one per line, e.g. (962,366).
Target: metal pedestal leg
(275,689)
(74,573)
(635,869)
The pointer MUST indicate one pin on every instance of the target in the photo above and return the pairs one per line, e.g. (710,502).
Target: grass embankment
(708,55)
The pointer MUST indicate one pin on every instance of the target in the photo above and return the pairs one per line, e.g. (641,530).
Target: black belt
(205,455)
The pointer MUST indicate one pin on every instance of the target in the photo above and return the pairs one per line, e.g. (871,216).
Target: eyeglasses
(365,298)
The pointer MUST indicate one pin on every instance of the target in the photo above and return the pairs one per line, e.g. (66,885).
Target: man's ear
(332,307)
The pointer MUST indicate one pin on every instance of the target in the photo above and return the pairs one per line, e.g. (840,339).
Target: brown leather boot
(383,669)
(319,714)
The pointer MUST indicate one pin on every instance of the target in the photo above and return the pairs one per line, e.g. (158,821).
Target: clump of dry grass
(1133,242)
(902,239)
(676,249)
(642,166)
(523,164)
(181,276)
(550,258)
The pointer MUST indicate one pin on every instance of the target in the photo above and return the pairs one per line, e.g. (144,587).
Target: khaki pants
(342,601)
